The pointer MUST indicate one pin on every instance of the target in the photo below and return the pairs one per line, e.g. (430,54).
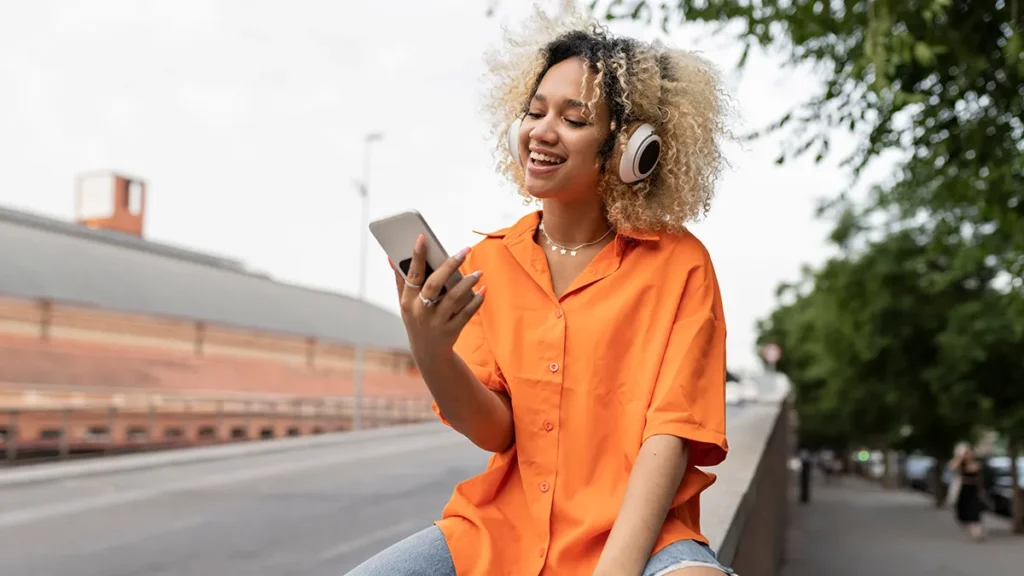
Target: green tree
(796,328)
(863,341)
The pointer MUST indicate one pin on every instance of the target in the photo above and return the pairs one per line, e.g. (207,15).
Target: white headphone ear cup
(640,154)
(512,139)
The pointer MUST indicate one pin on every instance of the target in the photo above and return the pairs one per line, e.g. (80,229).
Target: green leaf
(924,54)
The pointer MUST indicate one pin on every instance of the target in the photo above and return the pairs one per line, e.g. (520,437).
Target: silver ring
(415,286)
(427,302)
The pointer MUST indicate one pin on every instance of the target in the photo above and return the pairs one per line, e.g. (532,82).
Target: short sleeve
(689,394)
(472,347)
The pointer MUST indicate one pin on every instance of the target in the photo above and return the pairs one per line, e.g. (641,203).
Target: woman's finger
(399,281)
(416,275)
(462,317)
(439,278)
(458,297)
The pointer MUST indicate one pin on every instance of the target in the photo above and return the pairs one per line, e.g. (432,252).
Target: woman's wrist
(467,404)
(431,358)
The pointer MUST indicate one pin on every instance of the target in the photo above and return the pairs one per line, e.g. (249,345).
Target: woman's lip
(540,170)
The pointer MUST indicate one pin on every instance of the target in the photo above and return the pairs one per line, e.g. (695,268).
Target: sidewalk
(855,528)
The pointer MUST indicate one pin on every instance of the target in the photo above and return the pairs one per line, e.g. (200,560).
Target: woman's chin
(541,190)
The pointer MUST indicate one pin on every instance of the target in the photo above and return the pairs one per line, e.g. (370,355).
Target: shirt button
(541,551)
(558,314)
(544,487)
(549,426)
(553,367)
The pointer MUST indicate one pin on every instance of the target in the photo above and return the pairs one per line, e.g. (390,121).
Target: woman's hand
(434,322)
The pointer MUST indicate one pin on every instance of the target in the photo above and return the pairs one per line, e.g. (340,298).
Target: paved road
(312,511)
(316,511)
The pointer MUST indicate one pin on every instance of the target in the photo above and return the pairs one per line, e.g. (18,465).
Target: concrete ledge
(130,462)
(727,506)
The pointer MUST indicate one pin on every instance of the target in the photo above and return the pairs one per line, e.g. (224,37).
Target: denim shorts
(426,554)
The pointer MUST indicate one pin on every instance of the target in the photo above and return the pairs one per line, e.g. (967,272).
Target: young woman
(595,372)
(970,500)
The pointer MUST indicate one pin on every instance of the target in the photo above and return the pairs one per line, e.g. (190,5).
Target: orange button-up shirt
(634,348)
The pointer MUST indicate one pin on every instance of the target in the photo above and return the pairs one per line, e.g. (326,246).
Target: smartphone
(397,236)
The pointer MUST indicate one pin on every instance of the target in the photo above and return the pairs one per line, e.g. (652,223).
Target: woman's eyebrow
(570,102)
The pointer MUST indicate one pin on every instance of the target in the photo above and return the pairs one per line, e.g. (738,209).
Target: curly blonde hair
(678,92)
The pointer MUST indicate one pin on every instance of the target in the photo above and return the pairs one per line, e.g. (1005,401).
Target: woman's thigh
(684,554)
(425,553)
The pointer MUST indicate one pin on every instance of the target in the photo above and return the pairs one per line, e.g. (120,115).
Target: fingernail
(476,274)
(482,290)
(461,254)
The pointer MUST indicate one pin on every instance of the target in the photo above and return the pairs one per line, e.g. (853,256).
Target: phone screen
(404,265)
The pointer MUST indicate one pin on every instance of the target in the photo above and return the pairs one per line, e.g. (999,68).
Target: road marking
(143,535)
(404,529)
(364,452)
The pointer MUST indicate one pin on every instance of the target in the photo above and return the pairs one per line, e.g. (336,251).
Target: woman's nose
(543,132)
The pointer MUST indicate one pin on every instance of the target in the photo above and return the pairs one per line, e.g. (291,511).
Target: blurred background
(185,270)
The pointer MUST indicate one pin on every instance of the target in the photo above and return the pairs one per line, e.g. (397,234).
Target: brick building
(92,312)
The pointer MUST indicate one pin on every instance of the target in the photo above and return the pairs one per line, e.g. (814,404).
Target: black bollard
(805,480)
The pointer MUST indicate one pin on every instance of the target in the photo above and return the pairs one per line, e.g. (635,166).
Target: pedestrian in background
(967,491)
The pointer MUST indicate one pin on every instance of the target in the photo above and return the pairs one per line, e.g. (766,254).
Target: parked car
(916,470)
(1001,490)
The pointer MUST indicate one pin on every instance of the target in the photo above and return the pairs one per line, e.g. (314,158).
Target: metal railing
(62,423)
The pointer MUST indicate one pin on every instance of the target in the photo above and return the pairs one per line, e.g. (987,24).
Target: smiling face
(561,136)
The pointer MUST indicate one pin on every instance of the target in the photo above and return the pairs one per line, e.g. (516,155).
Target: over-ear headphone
(635,160)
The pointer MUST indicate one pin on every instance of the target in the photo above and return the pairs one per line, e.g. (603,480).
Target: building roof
(47,258)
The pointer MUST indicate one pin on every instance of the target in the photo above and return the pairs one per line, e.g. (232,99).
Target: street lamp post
(363,187)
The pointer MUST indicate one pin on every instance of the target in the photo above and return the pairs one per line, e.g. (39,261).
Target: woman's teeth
(545,158)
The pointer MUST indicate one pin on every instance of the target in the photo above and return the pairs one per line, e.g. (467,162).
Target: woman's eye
(571,122)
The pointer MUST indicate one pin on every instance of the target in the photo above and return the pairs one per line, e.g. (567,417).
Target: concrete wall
(761,542)
(744,513)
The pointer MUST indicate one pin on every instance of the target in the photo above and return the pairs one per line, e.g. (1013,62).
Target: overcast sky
(246,119)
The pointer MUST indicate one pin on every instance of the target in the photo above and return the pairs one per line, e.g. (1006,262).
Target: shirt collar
(528,225)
